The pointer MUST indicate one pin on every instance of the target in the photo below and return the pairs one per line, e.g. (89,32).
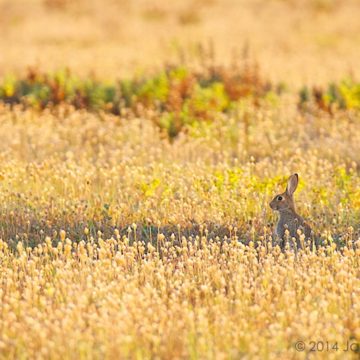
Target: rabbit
(289,219)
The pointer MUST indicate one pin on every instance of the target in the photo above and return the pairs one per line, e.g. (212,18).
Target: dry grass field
(134,193)
(310,41)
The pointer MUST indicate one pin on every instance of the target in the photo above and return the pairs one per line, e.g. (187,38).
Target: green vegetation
(344,95)
(180,95)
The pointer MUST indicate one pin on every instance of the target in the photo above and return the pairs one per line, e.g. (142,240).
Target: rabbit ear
(292,184)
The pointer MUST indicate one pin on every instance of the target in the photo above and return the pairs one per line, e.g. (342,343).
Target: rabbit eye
(279,198)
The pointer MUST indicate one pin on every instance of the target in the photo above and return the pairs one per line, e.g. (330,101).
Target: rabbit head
(284,202)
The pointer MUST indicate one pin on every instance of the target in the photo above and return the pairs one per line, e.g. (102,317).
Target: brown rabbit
(289,219)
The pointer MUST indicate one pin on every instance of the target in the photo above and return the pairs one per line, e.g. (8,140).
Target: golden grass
(312,42)
(77,169)
(196,298)
(171,253)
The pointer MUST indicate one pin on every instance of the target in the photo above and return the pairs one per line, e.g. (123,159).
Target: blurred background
(309,41)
